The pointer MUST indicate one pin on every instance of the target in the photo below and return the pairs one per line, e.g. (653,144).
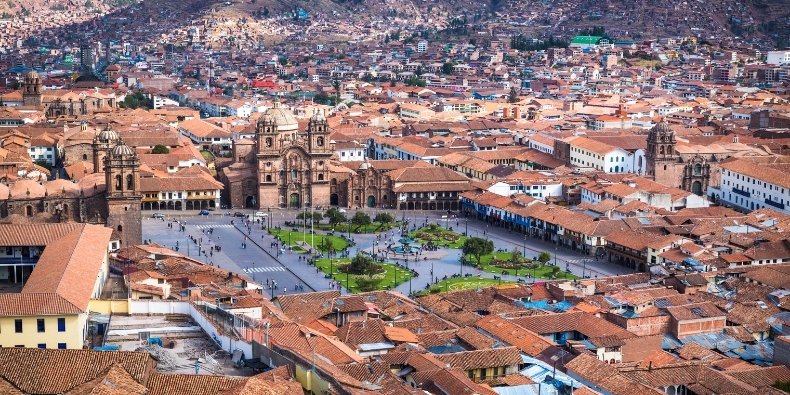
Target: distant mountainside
(764,22)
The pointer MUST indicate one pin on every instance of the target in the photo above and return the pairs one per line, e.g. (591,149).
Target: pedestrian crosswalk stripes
(264,269)
(213,226)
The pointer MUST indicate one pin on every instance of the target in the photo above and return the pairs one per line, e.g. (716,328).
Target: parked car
(158,216)
(203,212)
(261,214)
(239,214)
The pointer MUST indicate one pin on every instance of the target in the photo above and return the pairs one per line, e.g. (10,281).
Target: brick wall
(642,326)
(691,327)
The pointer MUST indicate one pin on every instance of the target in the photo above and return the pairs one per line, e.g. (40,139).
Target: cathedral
(108,197)
(284,167)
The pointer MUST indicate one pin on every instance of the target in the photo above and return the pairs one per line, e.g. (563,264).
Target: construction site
(177,343)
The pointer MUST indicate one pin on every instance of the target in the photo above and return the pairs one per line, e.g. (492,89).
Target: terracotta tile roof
(695,311)
(190,384)
(34,234)
(113,381)
(34,304)
(451,382)
(425,174)
(65,263)
(605,377)
(527,341)
(586,324)
(40,371)
(475,339)
(400,335)
(493,357)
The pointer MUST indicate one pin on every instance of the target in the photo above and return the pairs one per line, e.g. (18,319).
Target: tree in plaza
(316,216)
(515,256)
(327,246)
(363,265)
(554,271)
(477,247)
(335,216)
(544,257)
(361,219)
(304,216)
(160,149)
(384,218)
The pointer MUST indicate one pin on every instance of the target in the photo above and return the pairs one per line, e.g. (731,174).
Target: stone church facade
(108,197)
(690,167)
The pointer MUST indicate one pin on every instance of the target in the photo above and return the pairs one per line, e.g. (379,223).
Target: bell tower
(266,135)
(318,134)
(102,144)
(122,177)
(661,156)
(31,90)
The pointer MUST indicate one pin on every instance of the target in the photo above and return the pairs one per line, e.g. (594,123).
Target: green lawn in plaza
(375,227)
(459,283)
(438,236)
(350,282)
(292,238)
(541,271)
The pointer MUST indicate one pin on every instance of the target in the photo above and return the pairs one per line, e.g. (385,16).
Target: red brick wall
(642,326)
(691,327)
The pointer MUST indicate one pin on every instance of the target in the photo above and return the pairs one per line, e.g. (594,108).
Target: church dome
(108,135)
(122,150)
(62,188)
(93,184)
(283,118)
(27,189)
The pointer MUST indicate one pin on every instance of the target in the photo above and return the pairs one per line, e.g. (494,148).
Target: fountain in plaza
(406,247)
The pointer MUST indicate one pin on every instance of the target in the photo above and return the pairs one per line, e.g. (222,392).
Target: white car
(261,214)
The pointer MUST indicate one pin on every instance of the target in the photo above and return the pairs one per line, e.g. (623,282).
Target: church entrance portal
(333,199)
(294,202)
(371,201)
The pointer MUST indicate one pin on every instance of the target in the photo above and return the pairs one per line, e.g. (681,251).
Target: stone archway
(190,205)
(249,202)
(178,205)
(334,200)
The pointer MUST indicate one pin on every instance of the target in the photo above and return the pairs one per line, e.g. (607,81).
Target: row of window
(757,182)
(523,187)
(429,194)
(41,325)
(61,346)
(585,152)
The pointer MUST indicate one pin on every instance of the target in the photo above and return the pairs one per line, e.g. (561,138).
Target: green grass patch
(350,282)
(438,236)
(375,227)
(296,238)
(542,271)
(208,156)
(460,283)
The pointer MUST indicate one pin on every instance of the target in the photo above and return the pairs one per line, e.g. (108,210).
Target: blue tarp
(544,305)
